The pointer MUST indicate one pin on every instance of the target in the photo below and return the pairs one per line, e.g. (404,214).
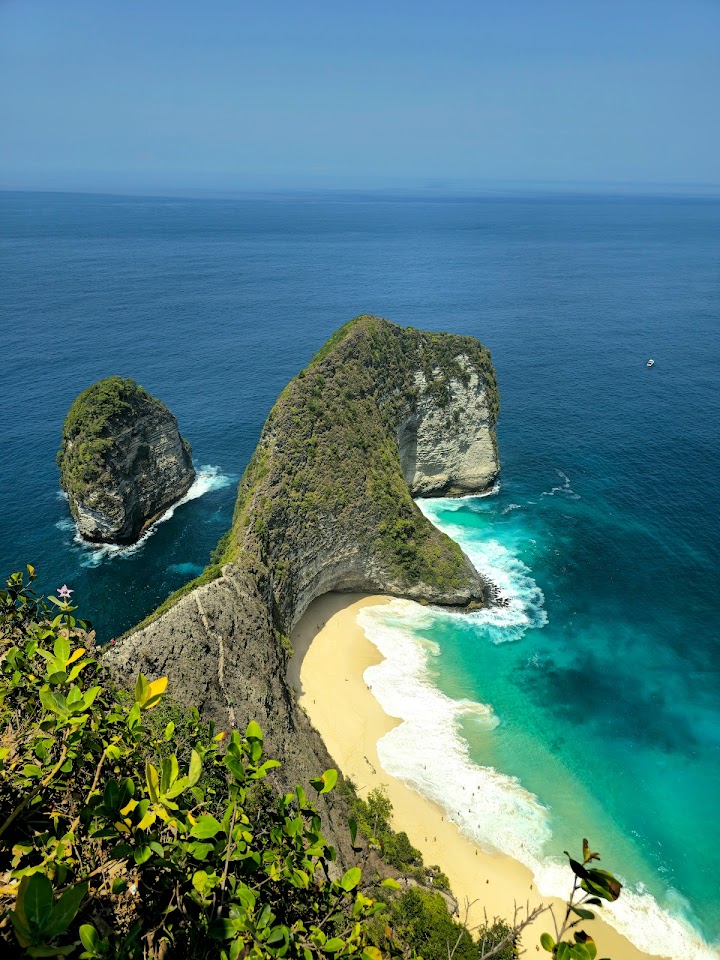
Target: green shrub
(420,919)
(129,829)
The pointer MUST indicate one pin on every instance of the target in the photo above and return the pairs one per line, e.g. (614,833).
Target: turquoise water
(599,707)
(593,700)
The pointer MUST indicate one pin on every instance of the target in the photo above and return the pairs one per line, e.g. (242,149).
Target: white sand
(331,656)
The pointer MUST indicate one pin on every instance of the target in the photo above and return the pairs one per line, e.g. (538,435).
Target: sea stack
(122,461)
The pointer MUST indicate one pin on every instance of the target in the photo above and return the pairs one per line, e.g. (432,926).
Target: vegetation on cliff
(327,466)
(122,836)
(129,829)
(328,453)
(82,457)
(122,460)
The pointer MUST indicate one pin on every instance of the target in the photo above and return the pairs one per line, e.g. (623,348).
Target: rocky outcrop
(450,450)
(325,504)
(122,461)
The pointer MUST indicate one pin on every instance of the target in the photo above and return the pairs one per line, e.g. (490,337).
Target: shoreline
(331,652)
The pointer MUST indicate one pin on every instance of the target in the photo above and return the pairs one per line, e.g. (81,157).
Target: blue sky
(232,94)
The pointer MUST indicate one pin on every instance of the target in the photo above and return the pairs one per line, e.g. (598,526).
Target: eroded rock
(122,461)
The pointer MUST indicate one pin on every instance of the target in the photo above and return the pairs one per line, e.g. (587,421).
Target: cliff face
(122,461)
(449,450)
(325,504)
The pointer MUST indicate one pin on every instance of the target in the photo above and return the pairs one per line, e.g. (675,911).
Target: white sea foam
(525,602)
(207,478)
(458,503)
(638,916)
(428,752)
(512,506)
(565,488)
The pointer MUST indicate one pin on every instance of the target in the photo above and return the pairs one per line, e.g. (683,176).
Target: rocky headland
(122,461)
(326,503)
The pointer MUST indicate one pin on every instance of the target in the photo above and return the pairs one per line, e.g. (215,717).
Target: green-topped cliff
(327,494)
(381,413)
(122,460)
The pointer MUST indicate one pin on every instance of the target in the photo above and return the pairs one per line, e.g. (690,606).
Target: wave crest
(208,478)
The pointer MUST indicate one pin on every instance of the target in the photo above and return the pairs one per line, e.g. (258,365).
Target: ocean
(590,704)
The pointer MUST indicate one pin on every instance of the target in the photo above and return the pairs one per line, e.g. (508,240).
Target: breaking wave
(208,478)
(428,752)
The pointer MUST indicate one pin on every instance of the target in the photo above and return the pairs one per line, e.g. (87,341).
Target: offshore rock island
(122,461)
(381,413)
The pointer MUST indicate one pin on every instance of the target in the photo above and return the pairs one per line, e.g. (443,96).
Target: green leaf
(607,881)
(235,767)
(326,782)
(169,731)
(133,717)
(141,689)
(547,942)
(579,951)
(61,649)
(65,910)
(169,770)
(89,698)
(54,702)
(583,914)
(200,851)
(262,771)
(577,868)
(222,929)
(278,934)
(206,827)
(372,953)
(253,731)
(142,853)
(333,945)
(351,879)
(153,781)
(37,902)
(89,937)
(195,768)
(21,930)
(391,883)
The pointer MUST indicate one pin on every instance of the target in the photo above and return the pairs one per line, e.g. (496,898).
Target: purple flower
(64,592)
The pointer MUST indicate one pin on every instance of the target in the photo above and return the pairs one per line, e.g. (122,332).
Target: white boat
(650,363)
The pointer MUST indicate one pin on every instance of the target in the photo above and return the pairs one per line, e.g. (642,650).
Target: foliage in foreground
(129,830)
(419,919)
(110,847)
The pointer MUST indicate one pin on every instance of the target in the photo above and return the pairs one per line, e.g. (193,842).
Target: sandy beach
(331,655)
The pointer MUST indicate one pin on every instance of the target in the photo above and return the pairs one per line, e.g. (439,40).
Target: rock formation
(325,504)
(122,461)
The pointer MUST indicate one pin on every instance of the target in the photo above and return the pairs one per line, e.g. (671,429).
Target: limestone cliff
(325,504)
(122,461)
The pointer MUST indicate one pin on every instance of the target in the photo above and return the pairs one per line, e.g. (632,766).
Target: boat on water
(650,363)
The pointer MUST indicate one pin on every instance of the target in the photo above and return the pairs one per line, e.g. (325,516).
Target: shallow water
(601,679)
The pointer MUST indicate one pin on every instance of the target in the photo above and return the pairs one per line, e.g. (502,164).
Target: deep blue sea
(590,705)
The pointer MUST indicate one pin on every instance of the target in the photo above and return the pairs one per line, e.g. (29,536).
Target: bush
(122,836)
(420,919)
